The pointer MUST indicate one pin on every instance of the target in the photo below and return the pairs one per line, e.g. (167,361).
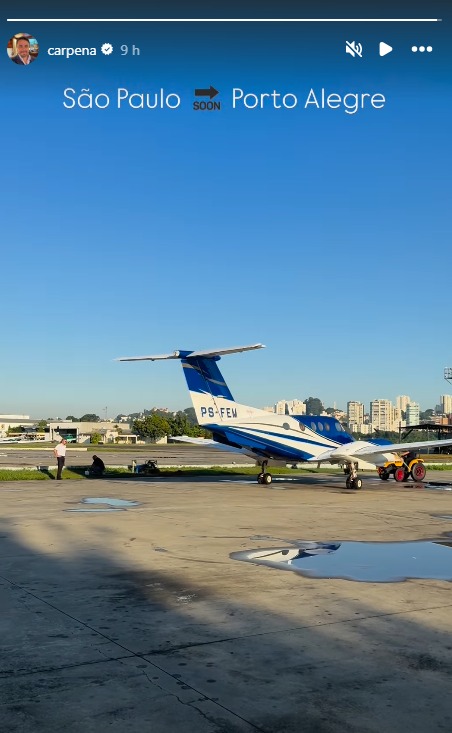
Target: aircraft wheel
(384,475)
(266,478)
(400,475)
(357,484)
(260,477)
(348,483)
(418,472)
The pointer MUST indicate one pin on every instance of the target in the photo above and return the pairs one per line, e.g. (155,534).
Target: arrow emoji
(211,92)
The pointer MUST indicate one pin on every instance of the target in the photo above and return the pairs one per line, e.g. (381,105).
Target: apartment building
(355,412)
(290,407)
(402,401)
(412,414)
(383,415)
(446,404)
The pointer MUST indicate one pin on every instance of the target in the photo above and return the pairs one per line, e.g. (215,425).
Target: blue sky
(323,235)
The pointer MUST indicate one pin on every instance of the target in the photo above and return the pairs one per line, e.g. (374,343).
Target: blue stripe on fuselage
(266,445)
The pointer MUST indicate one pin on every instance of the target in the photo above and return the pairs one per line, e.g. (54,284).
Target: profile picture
(22,49)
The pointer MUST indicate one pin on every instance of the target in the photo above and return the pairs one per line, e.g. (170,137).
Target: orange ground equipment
(408,465)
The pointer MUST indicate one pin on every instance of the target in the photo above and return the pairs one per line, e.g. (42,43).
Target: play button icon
(384,48)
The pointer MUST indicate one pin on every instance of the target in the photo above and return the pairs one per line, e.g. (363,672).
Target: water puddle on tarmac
(437,486)
(91,511)
(371,562)
(110,504)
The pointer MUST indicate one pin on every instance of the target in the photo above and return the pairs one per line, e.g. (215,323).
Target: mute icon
(354,49)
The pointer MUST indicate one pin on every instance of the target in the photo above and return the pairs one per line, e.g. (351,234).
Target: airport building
(15,421)
(82,432)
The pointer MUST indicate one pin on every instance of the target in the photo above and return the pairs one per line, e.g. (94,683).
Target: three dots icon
(421,49)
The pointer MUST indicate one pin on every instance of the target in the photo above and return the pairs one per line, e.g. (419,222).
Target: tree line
(157,425)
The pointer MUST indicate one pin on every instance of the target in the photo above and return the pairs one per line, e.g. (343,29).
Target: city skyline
(445,402)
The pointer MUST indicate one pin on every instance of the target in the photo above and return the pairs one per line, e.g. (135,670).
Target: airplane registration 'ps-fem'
(281,439)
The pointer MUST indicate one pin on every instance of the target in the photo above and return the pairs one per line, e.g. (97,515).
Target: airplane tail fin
(210,395)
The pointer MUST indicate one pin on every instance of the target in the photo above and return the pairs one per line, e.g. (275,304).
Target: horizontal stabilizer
(174,355)
(222,352)
(149,358)
(210,353)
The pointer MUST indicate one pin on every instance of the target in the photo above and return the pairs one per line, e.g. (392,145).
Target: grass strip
(78,472)
(28,475)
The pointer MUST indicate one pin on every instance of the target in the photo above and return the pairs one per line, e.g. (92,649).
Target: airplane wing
(396,447)
(347,452)
(324,457)
(192,354)
(207,443)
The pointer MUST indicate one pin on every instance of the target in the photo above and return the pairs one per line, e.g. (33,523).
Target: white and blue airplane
(276,439)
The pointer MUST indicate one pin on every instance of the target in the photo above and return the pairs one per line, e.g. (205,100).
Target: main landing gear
(352,481)
(264,477)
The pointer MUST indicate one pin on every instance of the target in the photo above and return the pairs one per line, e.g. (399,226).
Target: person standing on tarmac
(60,453)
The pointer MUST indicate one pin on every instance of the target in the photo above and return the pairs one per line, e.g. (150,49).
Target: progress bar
(223,20)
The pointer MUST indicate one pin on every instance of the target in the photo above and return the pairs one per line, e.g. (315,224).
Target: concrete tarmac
(137,619)
(175,454)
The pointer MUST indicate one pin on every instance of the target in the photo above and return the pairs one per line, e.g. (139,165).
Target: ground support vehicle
(149,468)
(410,465)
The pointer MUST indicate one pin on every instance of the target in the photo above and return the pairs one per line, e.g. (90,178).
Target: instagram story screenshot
(189,181)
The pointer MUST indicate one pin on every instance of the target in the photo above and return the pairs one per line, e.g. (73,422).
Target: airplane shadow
(120,632)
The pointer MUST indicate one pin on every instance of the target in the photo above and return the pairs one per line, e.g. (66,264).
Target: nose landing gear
(352,480)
